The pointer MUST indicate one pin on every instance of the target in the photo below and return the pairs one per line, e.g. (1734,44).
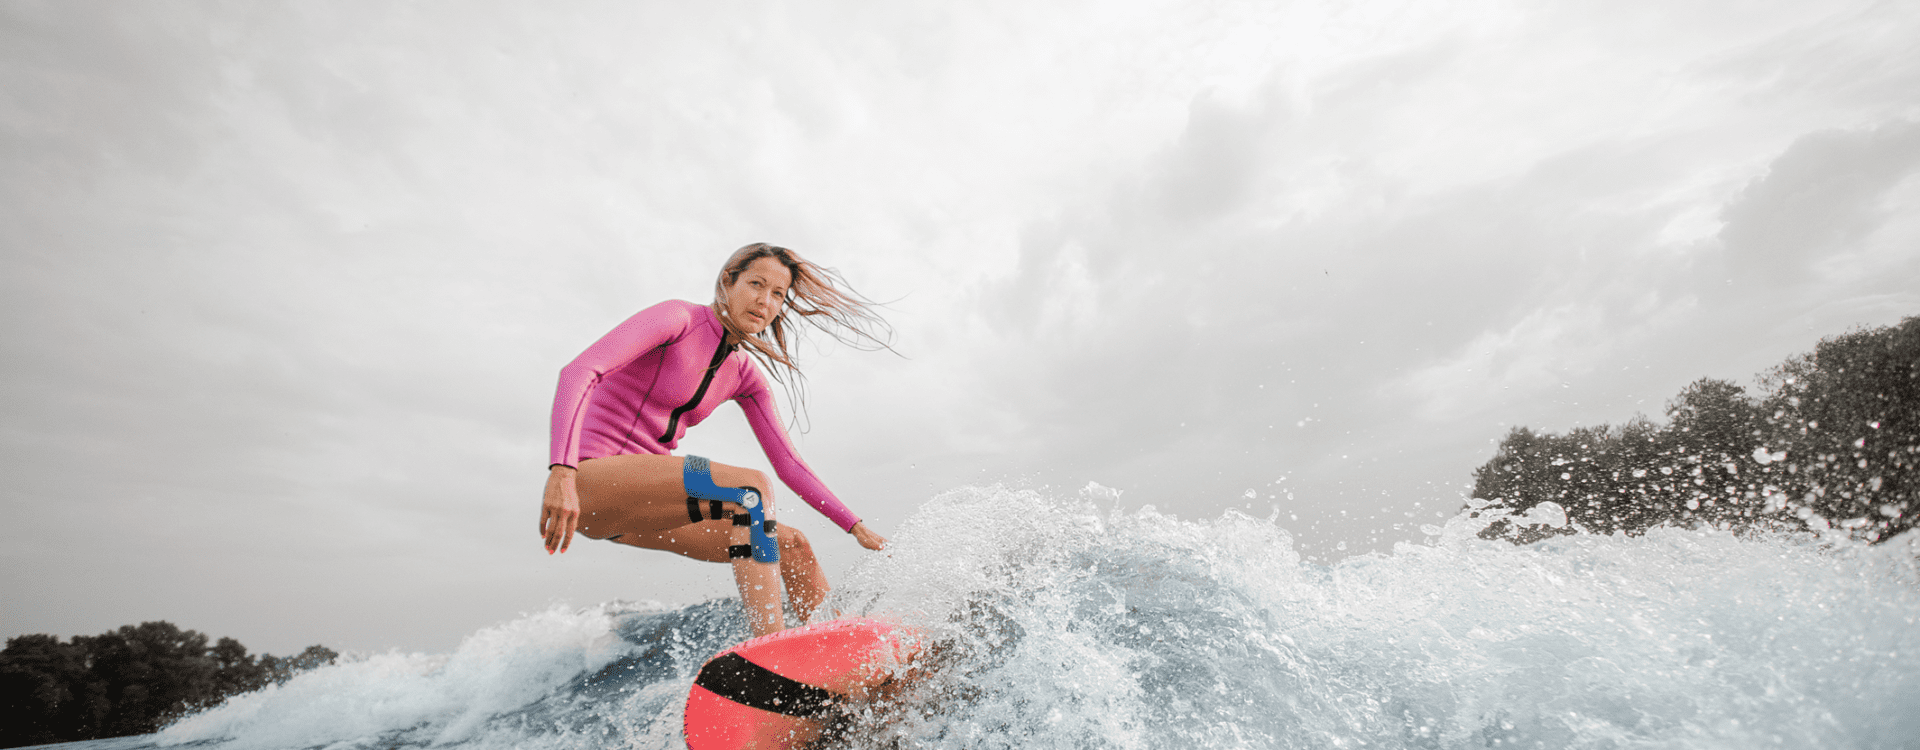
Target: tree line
(1829,439)
(127,681)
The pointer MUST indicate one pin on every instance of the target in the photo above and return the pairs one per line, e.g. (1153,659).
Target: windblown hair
(818,295)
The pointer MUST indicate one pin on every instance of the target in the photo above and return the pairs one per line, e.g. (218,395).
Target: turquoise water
(1083,627)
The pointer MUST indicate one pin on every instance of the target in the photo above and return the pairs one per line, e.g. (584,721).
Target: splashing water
(1054,624)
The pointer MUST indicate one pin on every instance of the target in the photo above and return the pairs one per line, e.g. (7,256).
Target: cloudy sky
(286,286)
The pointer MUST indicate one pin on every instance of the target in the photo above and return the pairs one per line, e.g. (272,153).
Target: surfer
(623,404)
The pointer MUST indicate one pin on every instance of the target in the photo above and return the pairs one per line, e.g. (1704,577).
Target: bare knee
(757,479)
(792,539)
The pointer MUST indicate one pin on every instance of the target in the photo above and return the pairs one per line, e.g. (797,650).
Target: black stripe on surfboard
(733,677)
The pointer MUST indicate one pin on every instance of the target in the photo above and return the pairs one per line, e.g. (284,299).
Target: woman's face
(757,294)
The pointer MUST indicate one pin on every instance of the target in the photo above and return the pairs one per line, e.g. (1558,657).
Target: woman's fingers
(559,512)
(868,538)
(559,524)
(549,523)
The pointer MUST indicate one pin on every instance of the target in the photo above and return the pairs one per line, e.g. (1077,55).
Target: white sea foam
(1054,623)
(435,700)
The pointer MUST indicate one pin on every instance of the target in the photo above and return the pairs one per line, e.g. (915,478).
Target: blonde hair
(816,295)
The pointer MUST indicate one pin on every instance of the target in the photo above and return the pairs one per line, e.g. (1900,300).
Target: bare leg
(806,582)
(759,585)
(800,571)
(641,500)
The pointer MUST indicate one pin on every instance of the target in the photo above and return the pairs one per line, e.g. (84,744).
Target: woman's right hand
(559,510)
(867,537)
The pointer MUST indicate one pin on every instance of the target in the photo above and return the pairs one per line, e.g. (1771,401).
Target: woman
(623,404)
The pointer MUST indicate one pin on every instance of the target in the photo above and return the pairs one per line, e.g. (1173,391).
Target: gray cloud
(1822,196)
(288,286)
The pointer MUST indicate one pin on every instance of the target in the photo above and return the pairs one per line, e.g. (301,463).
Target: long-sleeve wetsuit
(640,387)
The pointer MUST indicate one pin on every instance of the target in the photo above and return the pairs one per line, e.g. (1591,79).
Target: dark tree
(279,670)
(152,672)
(46,692)
(1714,429)
(1833,436)
(1848,418)
(129,681)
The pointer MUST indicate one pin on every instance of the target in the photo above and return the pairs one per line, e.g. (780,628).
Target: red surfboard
(780,690)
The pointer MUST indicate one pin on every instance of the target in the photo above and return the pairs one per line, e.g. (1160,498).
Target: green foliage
(128,681)
(46,694)
(1832,438)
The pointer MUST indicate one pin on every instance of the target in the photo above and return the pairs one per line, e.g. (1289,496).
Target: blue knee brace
(698,477)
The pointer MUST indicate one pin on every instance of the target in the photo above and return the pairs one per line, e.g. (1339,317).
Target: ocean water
(1054,621)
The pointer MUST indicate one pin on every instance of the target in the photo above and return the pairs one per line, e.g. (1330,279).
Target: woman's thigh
(706,541)
(645,494)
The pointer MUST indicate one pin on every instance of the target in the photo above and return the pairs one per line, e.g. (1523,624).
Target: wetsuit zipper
(719,355)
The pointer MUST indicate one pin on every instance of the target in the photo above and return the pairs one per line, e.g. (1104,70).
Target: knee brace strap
(742,519)
(739,551)
(697,475)
(715,510)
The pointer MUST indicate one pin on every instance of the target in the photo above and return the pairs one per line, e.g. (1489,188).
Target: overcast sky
(286,286)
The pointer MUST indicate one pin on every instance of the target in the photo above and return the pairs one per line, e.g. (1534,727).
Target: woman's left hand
(868,538)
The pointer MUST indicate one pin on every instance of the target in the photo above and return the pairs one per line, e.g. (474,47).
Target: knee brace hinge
(697,475)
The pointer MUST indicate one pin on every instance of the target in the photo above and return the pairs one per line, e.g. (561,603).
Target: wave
(1054,623)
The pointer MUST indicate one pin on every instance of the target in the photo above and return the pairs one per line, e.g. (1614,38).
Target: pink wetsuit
(640,387)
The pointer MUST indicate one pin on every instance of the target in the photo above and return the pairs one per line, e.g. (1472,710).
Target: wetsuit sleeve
(756,399)
(647,329)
